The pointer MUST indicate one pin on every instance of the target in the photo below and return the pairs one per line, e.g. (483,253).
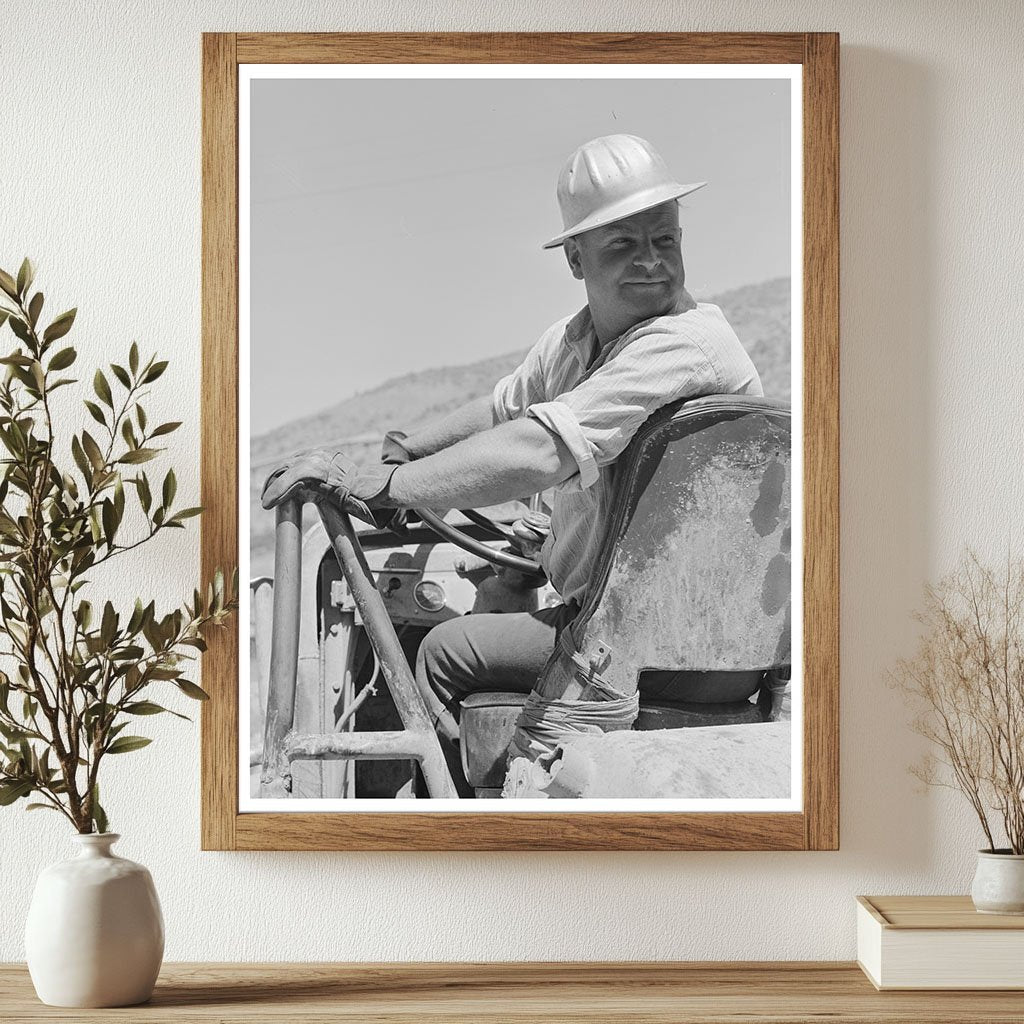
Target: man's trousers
(490,651)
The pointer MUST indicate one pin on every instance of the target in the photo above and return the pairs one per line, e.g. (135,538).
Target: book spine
(869,945)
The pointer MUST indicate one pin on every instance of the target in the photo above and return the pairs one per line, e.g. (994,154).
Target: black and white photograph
(519,442)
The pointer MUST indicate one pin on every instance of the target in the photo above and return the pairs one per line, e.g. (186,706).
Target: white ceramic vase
(999,882)
(95,933)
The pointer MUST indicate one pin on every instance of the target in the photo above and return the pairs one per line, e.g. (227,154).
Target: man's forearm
(509,461)
(469,419)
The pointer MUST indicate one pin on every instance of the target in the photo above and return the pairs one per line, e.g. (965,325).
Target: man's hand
(530,532)
(325,475)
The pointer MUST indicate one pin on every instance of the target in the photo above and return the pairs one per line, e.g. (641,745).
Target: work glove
(393,451)
(325,475)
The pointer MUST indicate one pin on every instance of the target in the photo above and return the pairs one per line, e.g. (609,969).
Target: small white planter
(95,933)
(999,883)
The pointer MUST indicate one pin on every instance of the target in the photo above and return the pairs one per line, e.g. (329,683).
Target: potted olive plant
(76,671)
(967,682)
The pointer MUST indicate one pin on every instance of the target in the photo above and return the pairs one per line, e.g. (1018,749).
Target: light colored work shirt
(596,399)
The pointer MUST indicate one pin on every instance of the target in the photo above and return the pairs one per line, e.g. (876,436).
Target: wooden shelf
(697,993)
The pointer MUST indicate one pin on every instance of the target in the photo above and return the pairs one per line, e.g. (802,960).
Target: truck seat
(488,719)
(690,599)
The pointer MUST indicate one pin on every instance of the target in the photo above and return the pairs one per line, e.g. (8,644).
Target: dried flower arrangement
(967,679)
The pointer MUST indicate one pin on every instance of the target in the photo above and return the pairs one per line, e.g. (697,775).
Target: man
(561,419)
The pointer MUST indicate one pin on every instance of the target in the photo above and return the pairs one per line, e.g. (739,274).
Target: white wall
(100,182)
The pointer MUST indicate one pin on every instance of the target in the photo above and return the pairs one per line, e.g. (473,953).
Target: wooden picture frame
(816,826)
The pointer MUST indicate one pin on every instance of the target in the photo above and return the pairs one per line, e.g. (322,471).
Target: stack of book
(938,942)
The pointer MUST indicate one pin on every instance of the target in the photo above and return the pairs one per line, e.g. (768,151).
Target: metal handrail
(281,744)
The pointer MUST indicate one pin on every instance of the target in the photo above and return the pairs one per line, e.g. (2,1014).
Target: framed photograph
(520,418)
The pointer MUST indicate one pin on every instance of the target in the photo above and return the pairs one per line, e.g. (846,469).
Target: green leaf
(14,790)
(140,415)
(26,273)
(137,618)
(154,371)
(102,388)
(133,358)
(20,374)
(108,626)
(19,632)
(128,433)
(130,653)
(4,314)
(165,428)
(139,455)
(109,519)
(63,359)
(116,730)
(92,449)
(145,497)
(84,614)
(20,329)
(12,733)
(8,284)
(95,412)
(191,690)
(95,711)
(185,513)
(42,807)
(60,326)
(10,442)
(121,374)
(143,707)
(81,461)
(147,707)
(119,499)
(99,816)
(125,744)
(34,308)
(170,487)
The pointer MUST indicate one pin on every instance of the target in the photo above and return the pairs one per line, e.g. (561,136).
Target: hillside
(760,315)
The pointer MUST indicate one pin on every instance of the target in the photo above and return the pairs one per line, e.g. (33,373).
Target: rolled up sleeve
(598,418)
(561,420)
(528,382)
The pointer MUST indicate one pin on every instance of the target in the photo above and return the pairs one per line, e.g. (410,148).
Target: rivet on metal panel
(601,656)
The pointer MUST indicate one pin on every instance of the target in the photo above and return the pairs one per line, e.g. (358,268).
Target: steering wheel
(463,540)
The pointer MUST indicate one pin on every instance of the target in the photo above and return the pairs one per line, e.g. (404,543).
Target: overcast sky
(396,225)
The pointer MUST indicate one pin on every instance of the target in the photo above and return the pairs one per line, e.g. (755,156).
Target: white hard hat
(609,178)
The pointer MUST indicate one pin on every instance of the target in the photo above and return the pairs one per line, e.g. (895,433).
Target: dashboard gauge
(429,595)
